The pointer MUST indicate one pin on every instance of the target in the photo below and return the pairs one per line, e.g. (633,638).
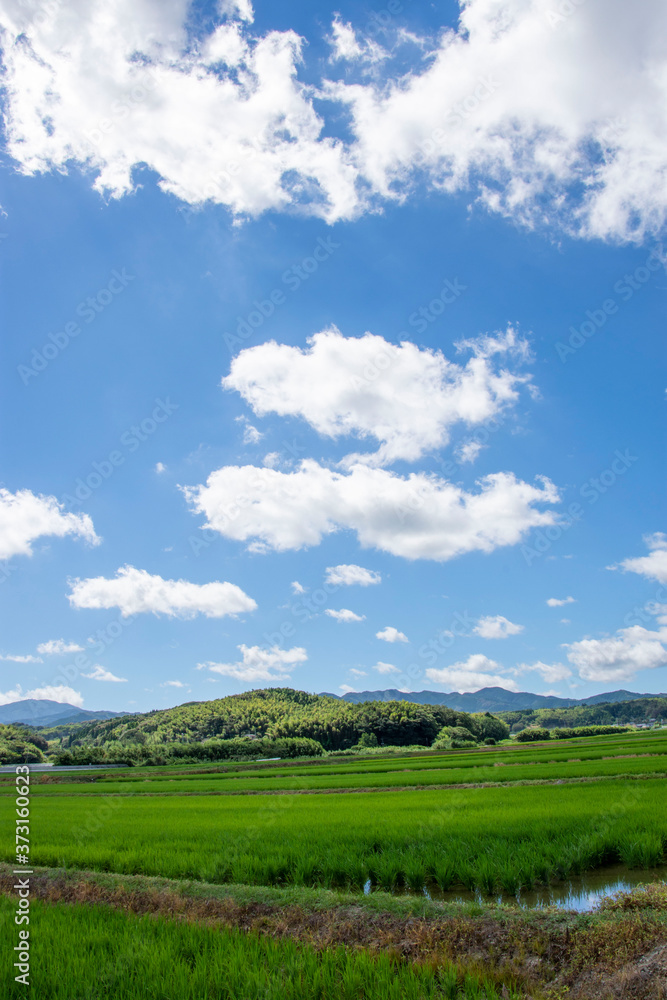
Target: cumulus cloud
(347,47)
(110,85)
(357,673)
(19,658)
(391,634)
(496,627)
(346,689)
(61,693)
(160,467)
(385,668)
(654,565)
(251,435)
(582,145)
(348,574)
(558,602)
(173,684)
(135,591)
(58,647)
(25,517)
(260,664)
(619,657)
(552,673)
(472,674)
(297,588)
(99,673)
(328,385)
(416,517)
(344,615)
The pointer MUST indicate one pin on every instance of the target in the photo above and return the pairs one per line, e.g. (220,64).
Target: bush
(448,734)
(489,742)
(533,734)
(190,753)
(367,740)
(464,744)
(566,734)
(488,727)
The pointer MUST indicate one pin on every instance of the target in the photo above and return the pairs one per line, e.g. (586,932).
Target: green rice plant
(643,851)
(415,877)
(444,874)
(484,872)
(502,836)
(83,952)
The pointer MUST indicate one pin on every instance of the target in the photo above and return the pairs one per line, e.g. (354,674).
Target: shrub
(534,733)
(464,744)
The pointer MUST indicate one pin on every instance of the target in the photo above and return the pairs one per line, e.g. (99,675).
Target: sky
(333,348)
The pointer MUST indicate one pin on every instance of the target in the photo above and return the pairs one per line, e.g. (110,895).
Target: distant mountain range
(491,699)
(35,712)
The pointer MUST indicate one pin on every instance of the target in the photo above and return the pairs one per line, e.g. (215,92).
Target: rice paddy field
(344,837)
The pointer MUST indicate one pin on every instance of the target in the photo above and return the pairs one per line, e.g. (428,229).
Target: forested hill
(275,713)
(336,724)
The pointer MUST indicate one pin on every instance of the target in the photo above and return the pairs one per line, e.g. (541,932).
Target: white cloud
(496,627)
(344,615)
(468,451)
(28,658)
(173,684)
(391,634)
(582,145)
(135,591)
(251,435)
(25,517)
(552,673)
(58,647)
(386,668)
(417,517)
(260,664)
(328,386)
(358,673)
(60,693)
(111,84)
(160,467)
(472,674)
(348,574)
(99,673)
(346,689)
(297,588)
(654,565)
(558,602)
(348,48)
(565,621)
(618,658)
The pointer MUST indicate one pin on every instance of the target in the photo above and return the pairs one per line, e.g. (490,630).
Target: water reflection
(581,892)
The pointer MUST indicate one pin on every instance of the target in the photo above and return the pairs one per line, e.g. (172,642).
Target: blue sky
(396,189)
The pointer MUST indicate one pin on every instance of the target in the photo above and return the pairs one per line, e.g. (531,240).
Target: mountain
(491,699)
(33,712)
